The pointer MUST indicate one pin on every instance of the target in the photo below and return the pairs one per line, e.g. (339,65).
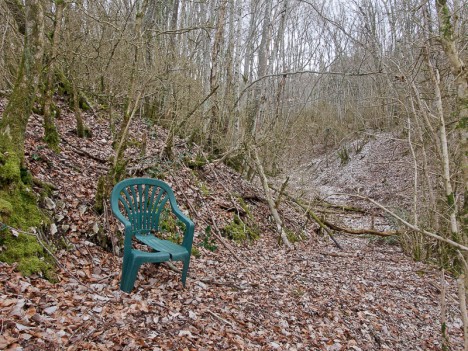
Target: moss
(21,205)
(170,228)
(65,87)
(239,231)
(236,163)
(9,168)
(5,208)
(463,123)
(205,191)
(26,176)
(451,200)
(196,163)
(119,170)
(83,104)
(196,252)
(100,195)
(51,136)
(27,252)
(446,26)
(208,242)
(293,237)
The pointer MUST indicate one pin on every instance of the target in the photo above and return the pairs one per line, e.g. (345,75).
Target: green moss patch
(27,252)
(51,137)
(6,209)
(171,228)
(293,237)
(240,232)
(196,163)
(9,168)
(18,208)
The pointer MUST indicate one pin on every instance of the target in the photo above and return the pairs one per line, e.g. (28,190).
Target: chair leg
(185,270)
(127,262)
(128,281)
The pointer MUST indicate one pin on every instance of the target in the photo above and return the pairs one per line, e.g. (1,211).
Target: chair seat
(175,251)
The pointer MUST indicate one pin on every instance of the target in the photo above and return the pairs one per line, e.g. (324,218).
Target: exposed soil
(378,166)
(369,296)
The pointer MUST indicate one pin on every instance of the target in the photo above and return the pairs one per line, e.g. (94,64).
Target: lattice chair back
(142,204)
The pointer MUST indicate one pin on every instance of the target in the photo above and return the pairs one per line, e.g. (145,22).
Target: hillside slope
(316,297)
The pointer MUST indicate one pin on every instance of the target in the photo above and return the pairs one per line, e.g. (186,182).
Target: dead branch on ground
(409,225)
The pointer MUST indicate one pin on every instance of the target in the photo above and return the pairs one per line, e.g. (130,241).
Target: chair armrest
(128,235)
(189,227)
(116,210)
(124,220)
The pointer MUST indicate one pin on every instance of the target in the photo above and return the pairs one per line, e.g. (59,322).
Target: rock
(53,229)
(49,204)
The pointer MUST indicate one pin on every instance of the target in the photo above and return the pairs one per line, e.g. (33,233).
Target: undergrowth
(25,250)
(19,209)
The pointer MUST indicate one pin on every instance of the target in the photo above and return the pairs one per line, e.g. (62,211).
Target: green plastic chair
(139,204)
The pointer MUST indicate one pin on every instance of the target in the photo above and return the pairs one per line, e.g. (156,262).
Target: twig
(218,283)
(224,156)
(84,153)
(172,267)
(443,312)
(462,299)
(231,197)
(42,184)
(336,254)
(358,231)
(107,225)
(316,219)
(409,225)
(220,318)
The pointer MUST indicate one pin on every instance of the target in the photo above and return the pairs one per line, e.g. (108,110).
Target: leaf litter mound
(248,297)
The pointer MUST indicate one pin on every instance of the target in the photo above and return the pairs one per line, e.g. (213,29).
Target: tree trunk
(460,72)
(16,115)
(51,135)
(271,203)
(13,201)
(213,118)
(257,99)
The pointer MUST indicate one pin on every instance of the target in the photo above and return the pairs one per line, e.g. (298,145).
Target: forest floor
(369,296)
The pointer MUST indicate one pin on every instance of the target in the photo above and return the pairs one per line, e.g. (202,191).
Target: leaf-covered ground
(369,296)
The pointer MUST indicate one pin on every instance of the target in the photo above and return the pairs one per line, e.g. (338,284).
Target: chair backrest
(141,201)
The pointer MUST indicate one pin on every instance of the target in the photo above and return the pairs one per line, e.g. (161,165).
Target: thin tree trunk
(460,72)
(51,135)
(256,101)
(271,203)
(213,119)
(444,151)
